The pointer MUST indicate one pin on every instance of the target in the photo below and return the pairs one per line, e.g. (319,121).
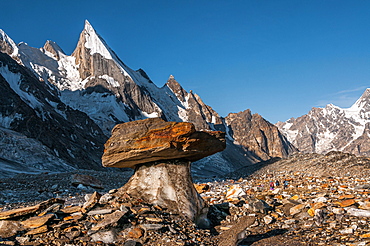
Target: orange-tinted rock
(201,188)
(154,139)
(366,235)
(136,233)
(28,210)
(346,203)
(311,212)
(346,197)
(71,210)
(318,205)
(37,221)
(38,230)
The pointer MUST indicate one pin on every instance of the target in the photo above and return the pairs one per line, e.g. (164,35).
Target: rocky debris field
(326,205)
(25,189)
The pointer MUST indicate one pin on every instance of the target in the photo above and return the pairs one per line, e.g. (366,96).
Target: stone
(37,221)
(38,230)
(161,153)
(346,231)
(135,233)
(151,226)
(71,209)
(92,201)
(358,212)
(131,243)
(311,212)
(104,236)
(100,211)
(230,237)
(268,219)
(28,210)
(346,203)
(258,205)
(235,192)
(9,228)
(86,180)
(296,209)
(201,188)
(150,219)
(364,205)
(106,198)
(154,139)
(109,219)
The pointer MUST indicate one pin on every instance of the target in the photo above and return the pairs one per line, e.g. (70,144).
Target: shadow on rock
(250,239)
(218,213)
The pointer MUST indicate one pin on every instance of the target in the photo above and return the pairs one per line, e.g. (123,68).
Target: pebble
(313,210)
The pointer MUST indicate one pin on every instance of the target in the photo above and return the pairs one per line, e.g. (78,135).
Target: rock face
(258,136)
(32,114)
(154,139)
(332,128)
(161,153)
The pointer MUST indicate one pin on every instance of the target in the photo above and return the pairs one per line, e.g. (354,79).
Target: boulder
(154,139)
(161,153)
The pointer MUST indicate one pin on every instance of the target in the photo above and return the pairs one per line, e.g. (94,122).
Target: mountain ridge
(332,128)
(94,82)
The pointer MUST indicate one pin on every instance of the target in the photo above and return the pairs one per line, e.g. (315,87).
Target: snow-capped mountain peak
(363,102)
(331,128)
(95,43)
(52,49)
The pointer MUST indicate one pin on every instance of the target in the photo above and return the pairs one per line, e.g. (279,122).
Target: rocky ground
(326,202)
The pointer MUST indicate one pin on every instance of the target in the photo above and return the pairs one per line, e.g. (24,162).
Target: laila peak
(95,43)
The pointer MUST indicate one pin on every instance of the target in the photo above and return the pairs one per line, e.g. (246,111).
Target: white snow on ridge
(13,80)
(100,109)
(7,39)
(68,68)
(95,43)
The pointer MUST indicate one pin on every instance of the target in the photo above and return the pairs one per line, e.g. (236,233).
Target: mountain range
(332,129)
(57,110)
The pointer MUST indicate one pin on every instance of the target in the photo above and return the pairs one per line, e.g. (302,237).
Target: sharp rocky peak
(91,40)
(364,101)
(53,48)
(7,45)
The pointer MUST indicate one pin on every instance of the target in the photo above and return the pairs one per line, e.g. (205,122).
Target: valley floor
(326,202)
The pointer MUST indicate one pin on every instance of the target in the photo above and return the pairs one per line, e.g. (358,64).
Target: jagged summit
(7,45)
(363,102)
(90,39)
(332,128)
(53,48)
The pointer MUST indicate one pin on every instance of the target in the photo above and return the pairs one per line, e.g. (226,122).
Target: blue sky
(277,58)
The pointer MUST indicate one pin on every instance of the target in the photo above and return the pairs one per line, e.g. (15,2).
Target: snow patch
(110,80)
(149,115)
(103,109)
(14,80)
